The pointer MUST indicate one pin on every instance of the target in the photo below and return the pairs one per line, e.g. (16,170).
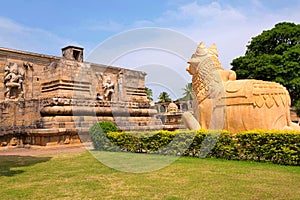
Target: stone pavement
(40,150)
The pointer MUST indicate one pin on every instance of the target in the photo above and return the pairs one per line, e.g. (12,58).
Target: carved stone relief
(14,76)
(108,89)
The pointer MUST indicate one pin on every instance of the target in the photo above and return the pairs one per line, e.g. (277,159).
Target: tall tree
(149,94)
(274,55)
(164,97)
(187,92)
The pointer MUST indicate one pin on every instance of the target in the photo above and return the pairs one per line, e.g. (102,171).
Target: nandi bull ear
(201,49)
(213,50)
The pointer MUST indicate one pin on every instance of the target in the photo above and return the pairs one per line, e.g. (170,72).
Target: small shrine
(170,113)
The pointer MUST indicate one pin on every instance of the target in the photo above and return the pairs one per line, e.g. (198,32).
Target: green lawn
(80,176)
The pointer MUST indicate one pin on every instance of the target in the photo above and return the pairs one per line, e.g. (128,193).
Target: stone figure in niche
(99,97)
(13,81)
(108,89)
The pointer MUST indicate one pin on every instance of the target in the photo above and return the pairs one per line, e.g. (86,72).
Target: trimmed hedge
(282,147)
(98,133)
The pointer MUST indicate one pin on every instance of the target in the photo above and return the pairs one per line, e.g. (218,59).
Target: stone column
(120,86)
(2,88)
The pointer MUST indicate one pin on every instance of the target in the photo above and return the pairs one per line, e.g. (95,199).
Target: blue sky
(45,26)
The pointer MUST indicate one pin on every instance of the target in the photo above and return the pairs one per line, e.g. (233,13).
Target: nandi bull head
(205,62)
(204,56)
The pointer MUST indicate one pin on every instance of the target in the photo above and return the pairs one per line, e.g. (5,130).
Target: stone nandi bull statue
(222,102)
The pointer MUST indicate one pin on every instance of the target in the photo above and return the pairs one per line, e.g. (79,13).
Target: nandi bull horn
(213,50)
(202,51)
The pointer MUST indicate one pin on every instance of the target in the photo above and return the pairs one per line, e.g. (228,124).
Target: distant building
(183,106)
(170,113)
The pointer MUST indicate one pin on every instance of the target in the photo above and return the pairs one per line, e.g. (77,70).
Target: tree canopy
(274,55)
(187,92)
(149,93)
(164,97)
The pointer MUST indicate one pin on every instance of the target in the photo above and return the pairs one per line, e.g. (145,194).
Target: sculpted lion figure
(222,102)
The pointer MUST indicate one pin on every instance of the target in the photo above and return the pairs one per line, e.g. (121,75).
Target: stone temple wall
(48,100)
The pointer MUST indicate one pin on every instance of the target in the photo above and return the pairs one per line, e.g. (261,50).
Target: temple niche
(13,81)
(108,89)
(48,100)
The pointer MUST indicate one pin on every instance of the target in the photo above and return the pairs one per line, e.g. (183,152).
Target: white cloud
(231,28)
(257,3)
(161,53)
(210,12)
(16,36)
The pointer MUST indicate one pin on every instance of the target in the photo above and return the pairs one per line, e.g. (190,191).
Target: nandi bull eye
(191,68)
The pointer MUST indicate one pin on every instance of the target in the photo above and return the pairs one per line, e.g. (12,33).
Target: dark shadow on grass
(9,162)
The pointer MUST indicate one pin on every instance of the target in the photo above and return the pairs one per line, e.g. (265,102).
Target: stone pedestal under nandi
(48,100)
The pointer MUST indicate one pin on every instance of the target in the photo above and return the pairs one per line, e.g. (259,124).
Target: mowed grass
(79,175)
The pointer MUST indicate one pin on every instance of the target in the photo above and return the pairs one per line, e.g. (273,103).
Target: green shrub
(108,126)
(280,147)
(98,134)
